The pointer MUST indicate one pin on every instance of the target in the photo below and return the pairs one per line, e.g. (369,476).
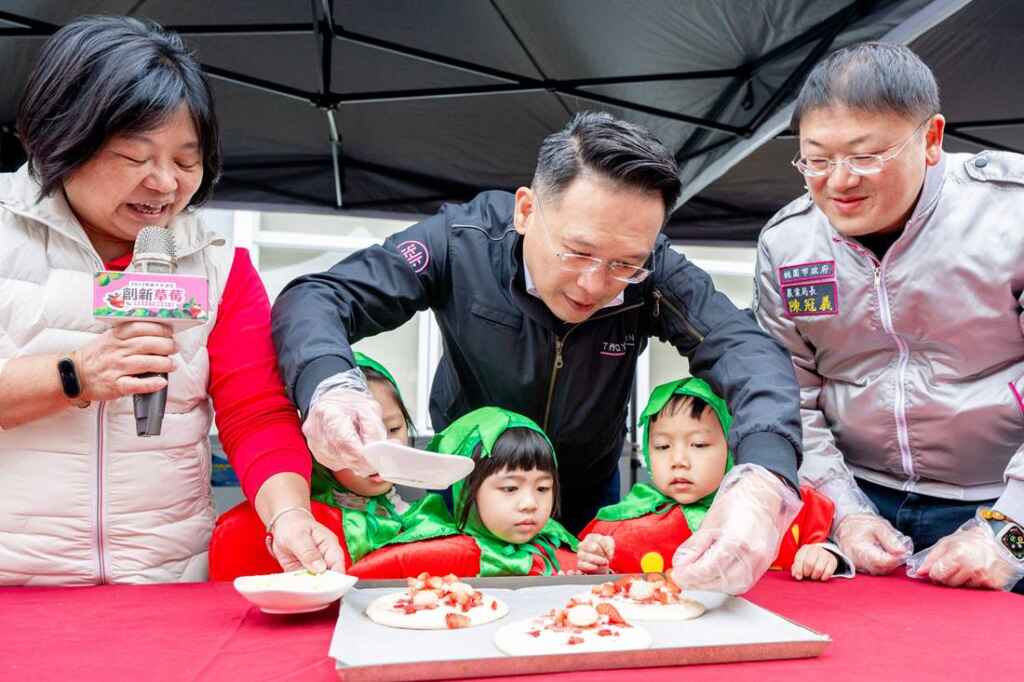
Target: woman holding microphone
(119,125)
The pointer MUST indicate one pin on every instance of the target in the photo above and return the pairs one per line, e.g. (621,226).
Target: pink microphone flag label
(178,300)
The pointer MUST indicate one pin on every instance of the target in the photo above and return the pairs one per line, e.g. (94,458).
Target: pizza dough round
(383,610)
(515,639)
(651,598)
(683,609)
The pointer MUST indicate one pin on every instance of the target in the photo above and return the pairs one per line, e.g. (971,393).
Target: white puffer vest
(83,500)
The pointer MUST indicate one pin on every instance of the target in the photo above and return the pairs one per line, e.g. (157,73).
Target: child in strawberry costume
(685,428)
(502,523)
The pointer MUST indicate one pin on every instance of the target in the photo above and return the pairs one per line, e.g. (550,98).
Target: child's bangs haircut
(678,402)
(517,449)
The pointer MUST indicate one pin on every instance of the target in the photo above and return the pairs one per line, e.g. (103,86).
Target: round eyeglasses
(578,263)
(858,164)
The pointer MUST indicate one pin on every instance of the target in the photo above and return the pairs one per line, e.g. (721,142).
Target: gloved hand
(740,535)
(343,417)
(970,557)
(871,543)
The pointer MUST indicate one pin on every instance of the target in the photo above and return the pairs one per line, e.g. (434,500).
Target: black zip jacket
(503,346)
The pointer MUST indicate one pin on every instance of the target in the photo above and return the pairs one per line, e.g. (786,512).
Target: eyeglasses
(578,263)
(858,164)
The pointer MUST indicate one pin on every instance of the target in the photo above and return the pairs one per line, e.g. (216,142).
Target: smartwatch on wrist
(69,382)
(1008,532)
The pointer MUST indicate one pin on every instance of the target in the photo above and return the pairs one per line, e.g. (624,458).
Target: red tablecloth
(882,629)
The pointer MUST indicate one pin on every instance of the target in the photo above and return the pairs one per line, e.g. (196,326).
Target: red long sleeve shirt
(258,426)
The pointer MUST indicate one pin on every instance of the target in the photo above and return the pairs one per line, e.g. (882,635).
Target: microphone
(154,253)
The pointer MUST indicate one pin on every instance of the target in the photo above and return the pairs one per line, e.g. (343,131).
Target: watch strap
(69,382)
(1008,532)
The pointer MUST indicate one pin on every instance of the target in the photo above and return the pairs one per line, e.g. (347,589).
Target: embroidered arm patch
(802,300)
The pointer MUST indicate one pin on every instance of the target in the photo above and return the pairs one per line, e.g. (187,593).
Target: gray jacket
(910,369)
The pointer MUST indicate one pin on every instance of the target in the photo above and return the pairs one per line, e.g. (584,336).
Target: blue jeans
(924,519)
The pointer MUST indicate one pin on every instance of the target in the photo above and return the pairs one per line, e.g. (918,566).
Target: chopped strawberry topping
(456,620)
(614,617)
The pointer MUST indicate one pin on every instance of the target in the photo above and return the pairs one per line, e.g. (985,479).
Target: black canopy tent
(975,55)
(399,105)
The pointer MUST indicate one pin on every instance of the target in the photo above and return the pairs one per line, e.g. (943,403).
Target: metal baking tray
(732,630)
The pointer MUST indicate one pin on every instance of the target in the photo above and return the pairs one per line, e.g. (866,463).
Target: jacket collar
(21,191)
(515,275)
(934,179)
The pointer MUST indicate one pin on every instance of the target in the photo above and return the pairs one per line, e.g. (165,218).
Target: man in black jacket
(545,299)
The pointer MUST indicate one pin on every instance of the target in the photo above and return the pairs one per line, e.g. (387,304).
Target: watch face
(1013,540)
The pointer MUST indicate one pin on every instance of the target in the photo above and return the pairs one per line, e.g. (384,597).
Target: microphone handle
(149,409)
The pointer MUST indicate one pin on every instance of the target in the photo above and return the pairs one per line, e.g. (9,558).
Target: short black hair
(101,76)
(599,143)
(676,403)
(517,449)
(373,375)
(874,76)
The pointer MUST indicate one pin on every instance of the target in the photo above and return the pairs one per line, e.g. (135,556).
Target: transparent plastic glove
(872,544)
(970,557)
(740,535)
(343,417)
(838,485)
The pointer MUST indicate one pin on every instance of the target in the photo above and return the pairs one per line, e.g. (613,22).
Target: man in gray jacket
(896,284)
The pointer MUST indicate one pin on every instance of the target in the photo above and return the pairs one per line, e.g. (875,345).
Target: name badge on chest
(809,289)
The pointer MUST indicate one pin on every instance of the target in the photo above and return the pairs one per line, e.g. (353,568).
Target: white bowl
(295,591)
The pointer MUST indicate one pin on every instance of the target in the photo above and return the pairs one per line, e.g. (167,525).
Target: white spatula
(416,468)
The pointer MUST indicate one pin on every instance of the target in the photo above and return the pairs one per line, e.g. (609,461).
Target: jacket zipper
(900,404)
(100,540)
(101,550)
(659,298)
(560,362)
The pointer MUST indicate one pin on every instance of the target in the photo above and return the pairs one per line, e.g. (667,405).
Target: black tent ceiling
(976,56)
(399,105)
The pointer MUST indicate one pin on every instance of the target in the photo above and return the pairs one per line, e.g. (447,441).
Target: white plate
(416,468)
(295,591)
